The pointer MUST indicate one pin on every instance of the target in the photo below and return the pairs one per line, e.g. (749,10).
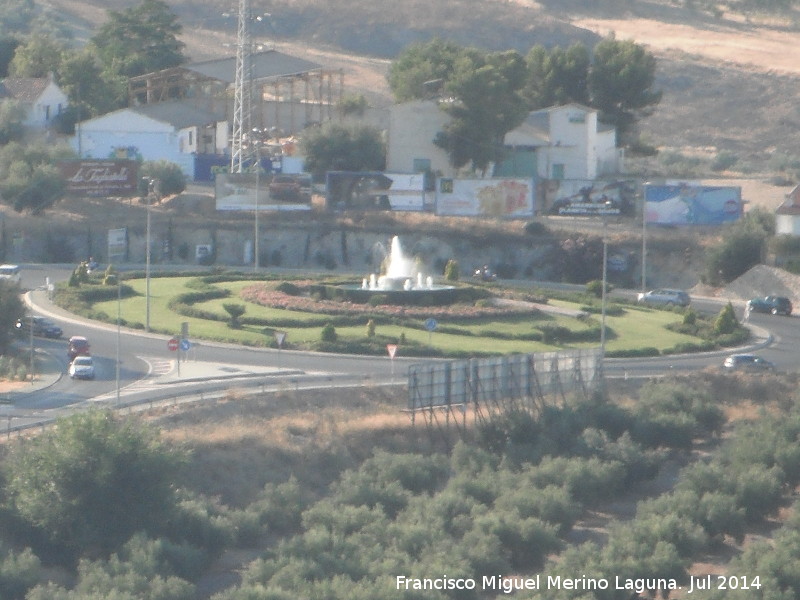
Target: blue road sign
(185,345)
(430,324)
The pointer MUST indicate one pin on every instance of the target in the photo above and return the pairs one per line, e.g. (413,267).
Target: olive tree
(93,481)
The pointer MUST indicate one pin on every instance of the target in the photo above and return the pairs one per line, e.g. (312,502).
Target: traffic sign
(430,324)
(172,344)
(280,337)
(391,349)
(185,345)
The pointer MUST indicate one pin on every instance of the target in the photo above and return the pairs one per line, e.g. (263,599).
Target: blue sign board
(430,324)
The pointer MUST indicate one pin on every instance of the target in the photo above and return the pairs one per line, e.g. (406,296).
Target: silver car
(82,367)
(748,362)
(664,297)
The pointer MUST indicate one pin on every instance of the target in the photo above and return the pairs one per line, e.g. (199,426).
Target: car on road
(82,367)
(664,297)
(751,363)
(774,305)
(78,346)
(41,327)
(10,273)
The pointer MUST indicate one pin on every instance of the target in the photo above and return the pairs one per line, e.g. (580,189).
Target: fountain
(402,283)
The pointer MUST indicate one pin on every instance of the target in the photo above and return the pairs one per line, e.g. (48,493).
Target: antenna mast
(241,148)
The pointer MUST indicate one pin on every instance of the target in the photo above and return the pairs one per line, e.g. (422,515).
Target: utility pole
(241,150)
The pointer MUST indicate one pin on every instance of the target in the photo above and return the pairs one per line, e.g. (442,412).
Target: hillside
(729,83)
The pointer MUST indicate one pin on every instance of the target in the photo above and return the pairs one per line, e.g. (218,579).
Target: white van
(11,273)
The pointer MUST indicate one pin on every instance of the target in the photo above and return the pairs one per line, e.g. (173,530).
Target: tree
(139,40)
(11,309)
(92,482)
(621,83)
(169,176)
(12,116)
(8,46)
(487,105)
(740,248)
(423,69)
(91,90)
(335,147)
(557,76)
(16,16)
(40,56)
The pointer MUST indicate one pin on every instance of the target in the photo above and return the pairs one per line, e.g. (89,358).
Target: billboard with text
(86,177)
(506,198)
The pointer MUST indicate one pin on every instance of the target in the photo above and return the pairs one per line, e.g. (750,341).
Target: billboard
(508,198)
(275,192)
(86,177)
(372,190)
(686,204)
(117,245)
(580,197)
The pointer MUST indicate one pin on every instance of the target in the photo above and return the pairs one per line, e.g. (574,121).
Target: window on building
(558,171)
(421,165)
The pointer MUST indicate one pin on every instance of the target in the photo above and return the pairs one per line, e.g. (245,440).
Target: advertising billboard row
(686,204)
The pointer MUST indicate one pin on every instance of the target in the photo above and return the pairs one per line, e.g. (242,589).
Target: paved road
(148,370)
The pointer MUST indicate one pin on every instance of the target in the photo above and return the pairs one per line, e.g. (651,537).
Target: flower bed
(265,296)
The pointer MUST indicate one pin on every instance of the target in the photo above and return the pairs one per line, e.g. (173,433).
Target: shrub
(371,328)
(288,288)
(726,321)
(235,311)
(451,270)
(328,333)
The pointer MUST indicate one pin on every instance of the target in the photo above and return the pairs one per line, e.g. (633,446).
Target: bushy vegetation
(502,501)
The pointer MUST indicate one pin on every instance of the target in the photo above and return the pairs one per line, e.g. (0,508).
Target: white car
(82,367)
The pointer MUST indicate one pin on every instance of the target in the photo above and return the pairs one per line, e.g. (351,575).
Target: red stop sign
(172,344)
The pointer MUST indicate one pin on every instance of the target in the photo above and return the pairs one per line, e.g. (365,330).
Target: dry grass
(239,444)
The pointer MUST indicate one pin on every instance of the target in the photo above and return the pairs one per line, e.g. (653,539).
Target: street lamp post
(119,332)
(258,185)
(644,244)
(32,352)
(603,294)
(150,192)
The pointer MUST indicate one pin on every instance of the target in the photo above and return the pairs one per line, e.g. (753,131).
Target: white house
(172,131)
(787,216)
(569,143)
(562,142)
(42,99)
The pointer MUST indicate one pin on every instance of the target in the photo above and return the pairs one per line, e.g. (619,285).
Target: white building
(42,99)
(172,131)
(562,142)
(569,143)
(787,216)
(410,148)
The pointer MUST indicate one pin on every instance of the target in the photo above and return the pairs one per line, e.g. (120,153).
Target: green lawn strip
(644,329)
(449,343)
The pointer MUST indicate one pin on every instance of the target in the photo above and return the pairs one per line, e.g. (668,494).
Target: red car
(78,346)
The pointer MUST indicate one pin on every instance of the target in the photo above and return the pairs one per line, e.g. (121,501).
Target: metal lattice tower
(241,149)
